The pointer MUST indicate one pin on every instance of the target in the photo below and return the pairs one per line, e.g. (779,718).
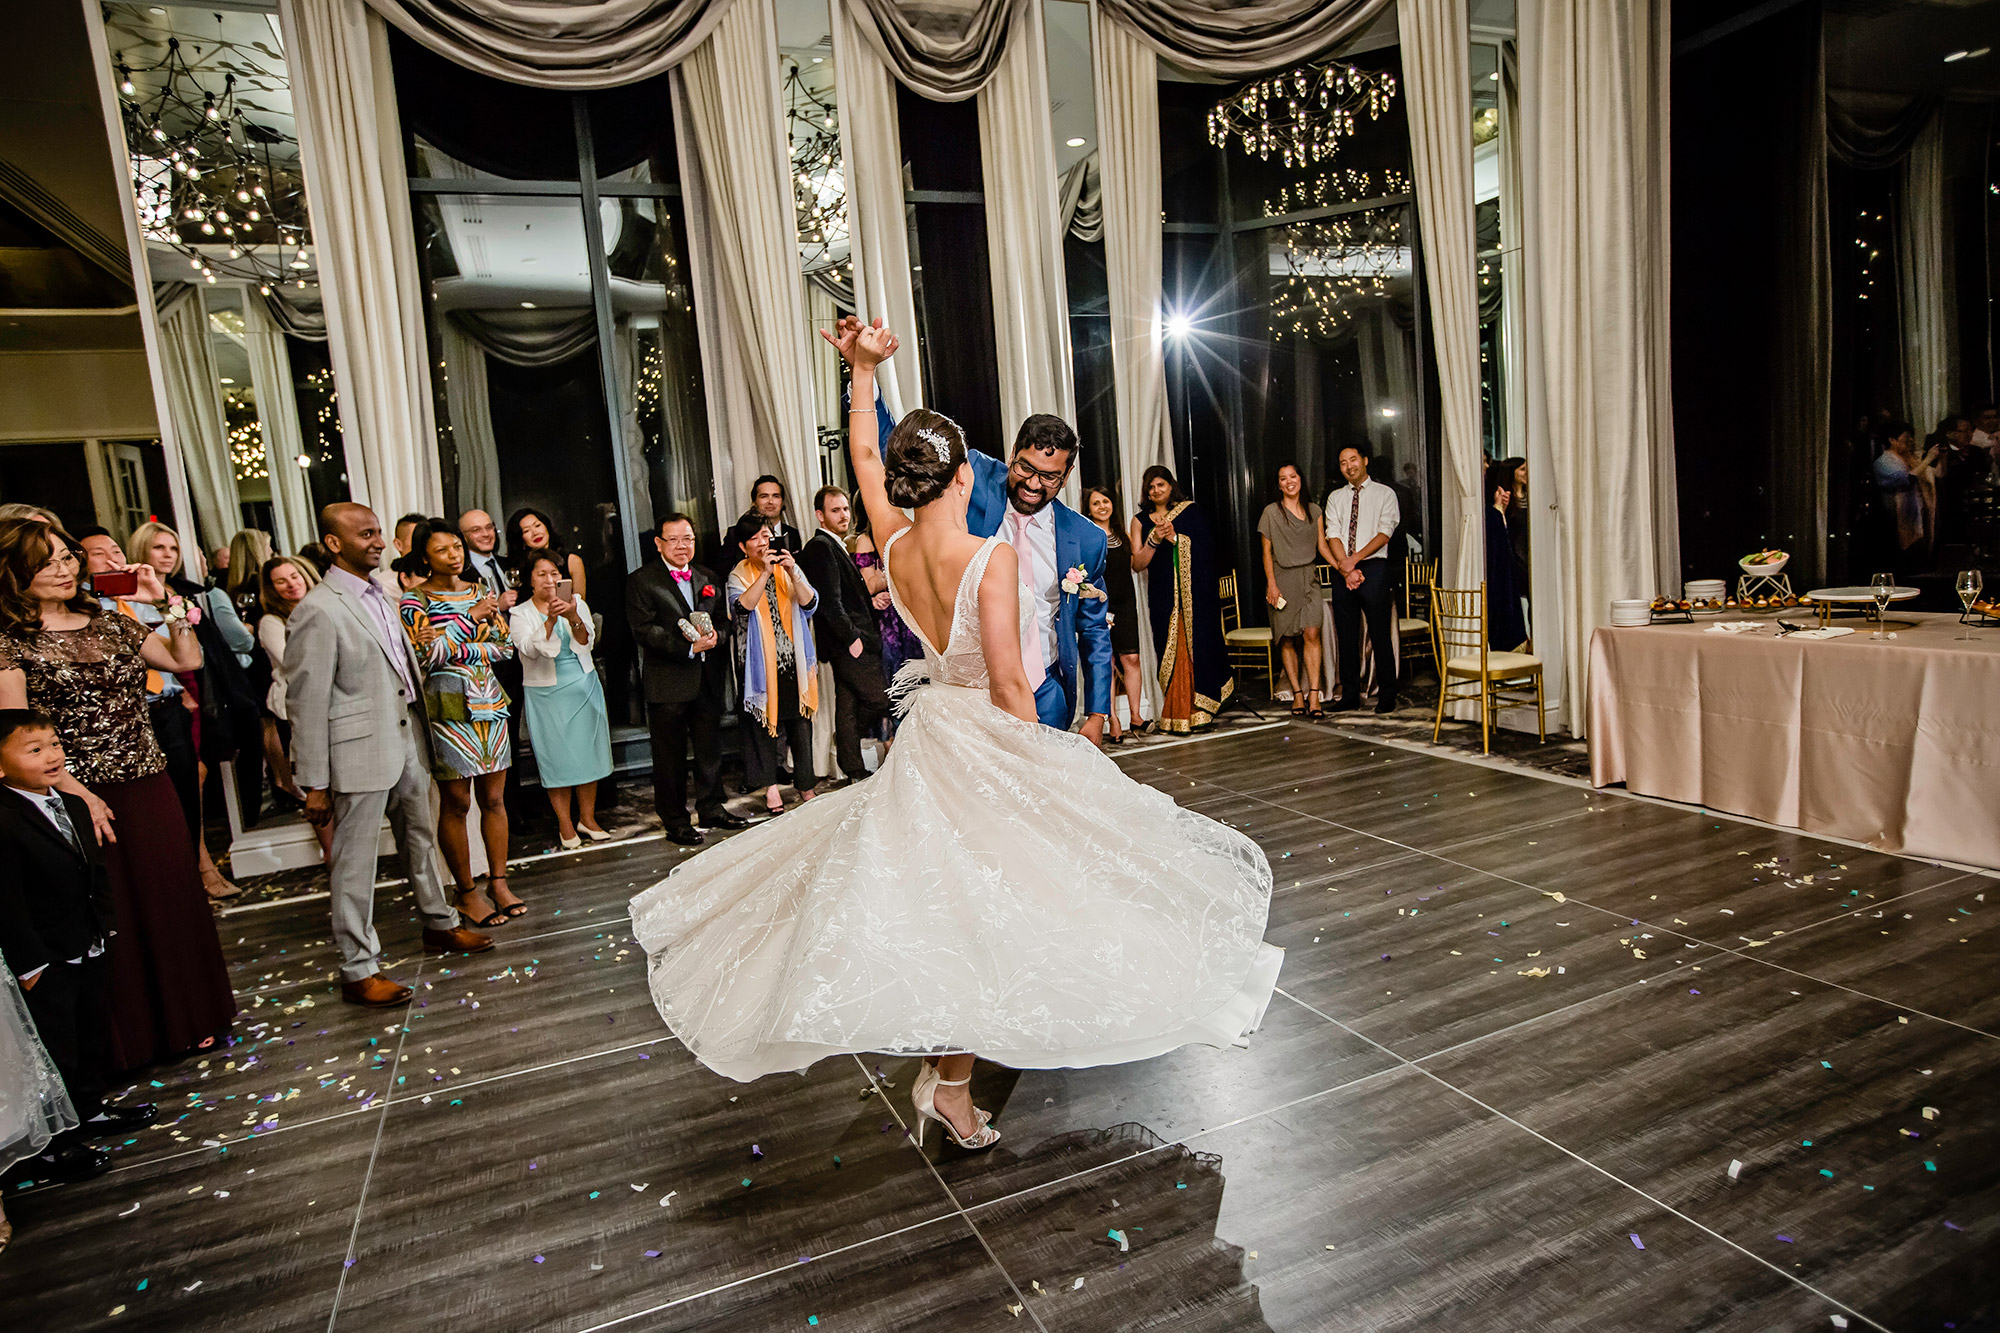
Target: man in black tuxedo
(55,925)
(844,629)
(767,504)
(684,679)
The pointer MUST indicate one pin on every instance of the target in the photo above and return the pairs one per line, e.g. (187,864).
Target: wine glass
(1883,587)
(1970,581)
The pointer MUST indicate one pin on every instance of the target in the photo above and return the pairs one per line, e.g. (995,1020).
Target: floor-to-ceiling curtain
(470,405)
(1082,196)
(1922,293)
(1024,234)
(194,396)
(365,246)
(743,238)
(1126,75)
(1595,210)
(1436,50)
(871,151)
(277,407)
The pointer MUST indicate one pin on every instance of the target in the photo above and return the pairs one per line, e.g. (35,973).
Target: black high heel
(497,919)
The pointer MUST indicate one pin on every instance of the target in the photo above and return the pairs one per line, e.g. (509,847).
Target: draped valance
(572,45)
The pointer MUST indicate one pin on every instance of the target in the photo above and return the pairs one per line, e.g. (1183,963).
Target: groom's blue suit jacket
(1083,635)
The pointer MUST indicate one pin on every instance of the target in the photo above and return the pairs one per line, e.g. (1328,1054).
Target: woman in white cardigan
(568,727)
(281,585)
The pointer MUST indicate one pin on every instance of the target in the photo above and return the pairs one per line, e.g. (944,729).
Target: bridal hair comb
(938,442)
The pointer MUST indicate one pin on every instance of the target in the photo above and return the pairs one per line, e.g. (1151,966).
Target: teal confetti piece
(746,1182)
(812,1320)
(143,1283)
(593,1194)
(1828,1174)
(1824,1065)
(1930,1166)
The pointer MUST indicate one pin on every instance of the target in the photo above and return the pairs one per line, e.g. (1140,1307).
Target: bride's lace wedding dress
(997,887)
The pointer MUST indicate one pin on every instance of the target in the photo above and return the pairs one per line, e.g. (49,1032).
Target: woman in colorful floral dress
(459,634)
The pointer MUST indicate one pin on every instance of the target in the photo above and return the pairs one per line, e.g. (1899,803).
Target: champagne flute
(1883,586)
(1970,581)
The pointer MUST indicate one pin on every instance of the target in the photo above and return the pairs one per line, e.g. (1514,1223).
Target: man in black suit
(767,503)
(844,629)
(55,924)
(684,679)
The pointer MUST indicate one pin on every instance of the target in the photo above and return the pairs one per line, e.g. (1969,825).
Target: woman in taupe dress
(1294,543)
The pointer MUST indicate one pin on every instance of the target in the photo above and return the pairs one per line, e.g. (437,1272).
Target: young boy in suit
(55,924)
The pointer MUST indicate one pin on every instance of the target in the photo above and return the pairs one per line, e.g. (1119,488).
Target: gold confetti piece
(1253,1254)
(117,1309)
(1330,1247)
(1557,896)
(1078,1284)
(1014,1310)
(1638,953)
(1534,972)
(1038,1288)
(1930,1113)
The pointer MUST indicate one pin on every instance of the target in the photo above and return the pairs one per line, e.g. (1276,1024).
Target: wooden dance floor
(1542,1059)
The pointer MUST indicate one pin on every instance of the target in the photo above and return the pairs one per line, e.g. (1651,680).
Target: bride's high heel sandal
(923,1096)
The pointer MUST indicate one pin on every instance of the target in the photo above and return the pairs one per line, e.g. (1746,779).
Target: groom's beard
(1029,502)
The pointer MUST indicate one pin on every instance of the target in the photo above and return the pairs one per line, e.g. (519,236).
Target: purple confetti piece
(1787,1239)
(1954,1226)
(348,1263)
(652,1254)
(538,1258)
(1636,1242)
(1693,991)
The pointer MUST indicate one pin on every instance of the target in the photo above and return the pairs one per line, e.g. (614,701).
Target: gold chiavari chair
(1249,645)
(1469,670)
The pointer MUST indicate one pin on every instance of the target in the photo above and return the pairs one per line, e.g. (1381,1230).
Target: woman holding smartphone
(459,634)
(770,598)
(567,722)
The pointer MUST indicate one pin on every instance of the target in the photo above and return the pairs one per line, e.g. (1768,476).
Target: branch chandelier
(205,178)
(1336,263)
(1302,114)
(819,189)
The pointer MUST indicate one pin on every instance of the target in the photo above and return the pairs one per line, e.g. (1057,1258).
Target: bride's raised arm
(1000,635)
(865,347)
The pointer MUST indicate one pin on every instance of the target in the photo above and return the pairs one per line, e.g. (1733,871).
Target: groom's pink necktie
(1024,554)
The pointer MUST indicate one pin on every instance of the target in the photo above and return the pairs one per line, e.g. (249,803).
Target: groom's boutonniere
(1076,583)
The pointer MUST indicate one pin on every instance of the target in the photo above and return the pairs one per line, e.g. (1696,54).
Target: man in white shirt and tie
(1361,517)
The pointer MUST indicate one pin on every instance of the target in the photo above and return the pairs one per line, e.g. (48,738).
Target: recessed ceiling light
(227,380)
(819,60)
(1494,77)
(155,9)
(1073,143)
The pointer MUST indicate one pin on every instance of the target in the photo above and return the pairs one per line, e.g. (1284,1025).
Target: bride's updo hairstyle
(925,452)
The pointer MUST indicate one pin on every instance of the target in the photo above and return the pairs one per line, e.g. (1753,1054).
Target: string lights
(819,189)
(1334,264)
(208,181)
(1302,114)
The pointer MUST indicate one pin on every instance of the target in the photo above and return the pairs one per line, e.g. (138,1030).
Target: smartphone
(565,590)
(116,582)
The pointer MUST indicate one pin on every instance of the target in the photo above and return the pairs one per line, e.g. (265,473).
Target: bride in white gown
(997,886)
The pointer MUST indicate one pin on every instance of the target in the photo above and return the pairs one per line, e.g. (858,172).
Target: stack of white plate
(1632,611)
(1705,589)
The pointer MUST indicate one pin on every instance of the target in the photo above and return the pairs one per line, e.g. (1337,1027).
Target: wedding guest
(1293,532)
(1171,543)
(1122,611)
(63,655)
(899,641)
(1907,481)
(773,603)
(567,724)
(173,702)
(484,566)
(459,634)
(218,567)
(1506,625)
(685,678)
(844,630)
(529,531)
(767,503)
(33,512)
(361,746)
(34,1109)
(286,581)
(229,725)
(248,550)
(1361,517)
(1986,430)
(317,554)
(55,929)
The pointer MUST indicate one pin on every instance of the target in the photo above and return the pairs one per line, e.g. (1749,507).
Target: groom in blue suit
(1018,501)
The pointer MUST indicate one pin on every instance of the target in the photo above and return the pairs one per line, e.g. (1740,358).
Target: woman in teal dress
(459,634)
(567,722)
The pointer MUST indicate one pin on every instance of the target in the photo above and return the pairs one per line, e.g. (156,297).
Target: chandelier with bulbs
(1335,265)
(1302,114)
(209,185)
(819,189)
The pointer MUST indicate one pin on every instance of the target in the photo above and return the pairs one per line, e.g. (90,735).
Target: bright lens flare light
(1178,327)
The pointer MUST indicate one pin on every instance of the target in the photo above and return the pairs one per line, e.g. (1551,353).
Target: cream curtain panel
(735,157)
(1126,74)
(1082,207)
(871,150)
(945,49)
(194,397)
(345,101)
(468,401)
(1024,237)
(1436,69)
(278,409)
(1241,38)
(568,44)
(1920,282)
(1595,201)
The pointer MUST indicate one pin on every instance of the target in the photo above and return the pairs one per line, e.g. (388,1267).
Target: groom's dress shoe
(459,939)
(723,819)
(113,1119)
(69,1162)
(686,835)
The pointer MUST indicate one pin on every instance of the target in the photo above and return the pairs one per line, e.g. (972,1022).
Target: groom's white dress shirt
(1034,540)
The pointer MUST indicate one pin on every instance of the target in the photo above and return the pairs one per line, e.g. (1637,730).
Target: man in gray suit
(361,748)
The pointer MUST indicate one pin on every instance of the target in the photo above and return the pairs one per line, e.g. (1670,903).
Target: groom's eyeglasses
(1023,470)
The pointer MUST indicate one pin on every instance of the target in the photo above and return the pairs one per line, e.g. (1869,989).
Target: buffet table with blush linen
(1892,742)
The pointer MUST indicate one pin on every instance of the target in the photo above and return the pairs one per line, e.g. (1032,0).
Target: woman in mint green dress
(568,727)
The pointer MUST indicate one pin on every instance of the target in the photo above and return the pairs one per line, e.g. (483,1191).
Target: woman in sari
(1172,546)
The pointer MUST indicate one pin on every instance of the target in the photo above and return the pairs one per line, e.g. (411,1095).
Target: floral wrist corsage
(179,613)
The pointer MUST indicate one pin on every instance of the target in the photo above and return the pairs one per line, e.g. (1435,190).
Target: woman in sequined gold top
(87,667)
